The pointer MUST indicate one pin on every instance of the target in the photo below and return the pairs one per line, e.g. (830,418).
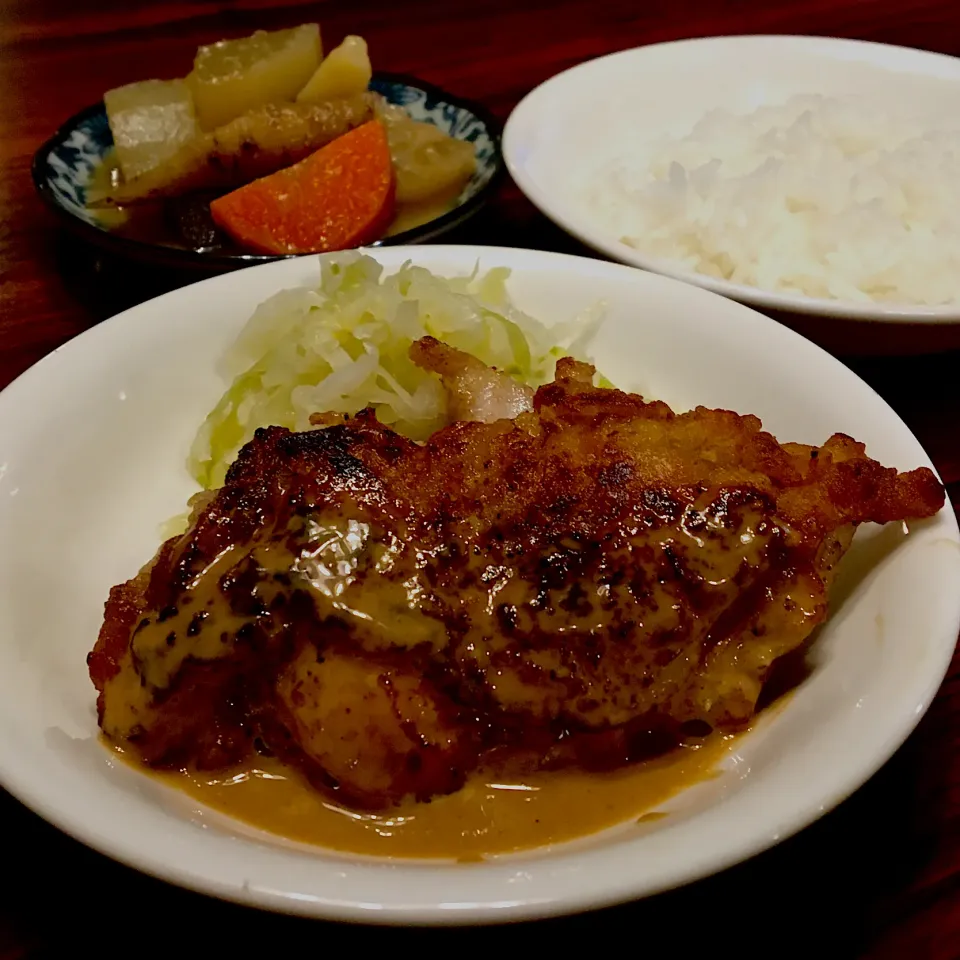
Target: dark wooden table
(879,877)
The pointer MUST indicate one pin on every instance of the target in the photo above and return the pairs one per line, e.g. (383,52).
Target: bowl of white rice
(812,177)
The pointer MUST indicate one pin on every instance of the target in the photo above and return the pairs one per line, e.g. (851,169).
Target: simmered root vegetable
(231,77)
(344,72)
(342,196)
(150,122)
(427,162)
(254,145)
(260,105)
(277,135)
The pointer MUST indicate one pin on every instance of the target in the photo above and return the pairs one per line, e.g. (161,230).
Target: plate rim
(857,772)
(917,315)
(176,257)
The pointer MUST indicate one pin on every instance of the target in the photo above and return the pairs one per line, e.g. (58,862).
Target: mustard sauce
(488,816)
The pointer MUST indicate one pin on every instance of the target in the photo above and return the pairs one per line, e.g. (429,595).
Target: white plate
(571,123)
(92,446)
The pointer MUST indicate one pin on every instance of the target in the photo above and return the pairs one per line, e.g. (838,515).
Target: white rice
(823,197)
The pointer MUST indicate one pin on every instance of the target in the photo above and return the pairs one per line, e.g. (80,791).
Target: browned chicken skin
(588,583)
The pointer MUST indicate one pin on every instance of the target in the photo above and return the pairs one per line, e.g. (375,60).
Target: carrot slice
(339,197)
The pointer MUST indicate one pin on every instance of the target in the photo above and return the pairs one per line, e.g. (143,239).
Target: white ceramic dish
(571,122)
(92,447)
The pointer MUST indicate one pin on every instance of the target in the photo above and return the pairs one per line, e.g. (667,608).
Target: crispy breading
(589,583)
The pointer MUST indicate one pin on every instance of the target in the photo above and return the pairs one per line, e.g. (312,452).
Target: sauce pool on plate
(488,816)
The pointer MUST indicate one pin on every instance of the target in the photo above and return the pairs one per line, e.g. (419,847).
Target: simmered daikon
(150,122)
(427,162)
(256,144)
(232,77)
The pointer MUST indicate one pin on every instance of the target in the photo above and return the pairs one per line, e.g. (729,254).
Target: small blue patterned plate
(65,166)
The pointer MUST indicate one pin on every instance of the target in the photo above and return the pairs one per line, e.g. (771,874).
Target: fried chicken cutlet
(587,582)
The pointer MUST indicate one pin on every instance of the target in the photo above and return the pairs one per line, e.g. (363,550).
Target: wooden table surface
(879,877)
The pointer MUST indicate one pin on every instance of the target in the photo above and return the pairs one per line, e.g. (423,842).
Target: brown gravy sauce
(488,816)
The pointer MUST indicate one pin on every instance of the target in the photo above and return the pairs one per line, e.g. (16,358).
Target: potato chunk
(231,77)
(345,72)
(150,121)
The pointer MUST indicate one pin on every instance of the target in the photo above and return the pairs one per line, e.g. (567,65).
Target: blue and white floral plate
(64,167)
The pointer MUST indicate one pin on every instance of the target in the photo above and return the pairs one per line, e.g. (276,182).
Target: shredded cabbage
(344,346)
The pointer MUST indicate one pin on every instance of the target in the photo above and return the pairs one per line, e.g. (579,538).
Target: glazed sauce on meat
(186,223)
(333,556)
(488,816)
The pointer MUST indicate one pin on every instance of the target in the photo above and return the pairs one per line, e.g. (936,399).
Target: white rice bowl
(850,237)
(823,196)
